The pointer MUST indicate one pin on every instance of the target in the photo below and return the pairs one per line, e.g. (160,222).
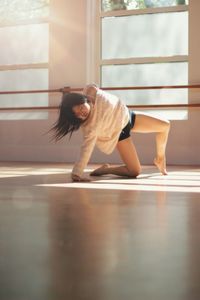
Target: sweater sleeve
(90,91)
(85,153)
(88,87)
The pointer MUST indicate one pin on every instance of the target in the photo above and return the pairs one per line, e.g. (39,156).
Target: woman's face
(82,111)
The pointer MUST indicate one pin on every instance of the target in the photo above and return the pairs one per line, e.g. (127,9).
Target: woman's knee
(134,172)
(167,125)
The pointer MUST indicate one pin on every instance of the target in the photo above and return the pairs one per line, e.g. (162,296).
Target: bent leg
(147,124)
(132,167)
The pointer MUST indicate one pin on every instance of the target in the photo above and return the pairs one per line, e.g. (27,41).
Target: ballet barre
(69,89)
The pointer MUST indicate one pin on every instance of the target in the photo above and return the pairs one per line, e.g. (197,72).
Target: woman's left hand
(77,178)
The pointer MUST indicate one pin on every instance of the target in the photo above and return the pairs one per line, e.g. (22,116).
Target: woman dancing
(107,122)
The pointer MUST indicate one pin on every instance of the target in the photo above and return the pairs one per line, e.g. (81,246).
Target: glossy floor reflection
(110,239)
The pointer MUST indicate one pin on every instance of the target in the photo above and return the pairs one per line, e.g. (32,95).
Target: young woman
(106,122)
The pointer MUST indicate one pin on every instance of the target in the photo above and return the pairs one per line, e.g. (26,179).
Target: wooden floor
(109,239)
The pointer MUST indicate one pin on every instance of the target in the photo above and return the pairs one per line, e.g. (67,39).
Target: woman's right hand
(77,178)
(90,92)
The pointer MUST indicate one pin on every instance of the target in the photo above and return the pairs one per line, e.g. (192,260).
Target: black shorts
(125,133)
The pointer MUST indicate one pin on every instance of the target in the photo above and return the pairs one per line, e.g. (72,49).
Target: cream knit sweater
(108,116)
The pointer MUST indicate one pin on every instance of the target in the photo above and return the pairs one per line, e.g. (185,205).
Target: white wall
(68,65)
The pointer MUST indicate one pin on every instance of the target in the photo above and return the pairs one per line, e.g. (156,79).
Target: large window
(145,43)
(24,35)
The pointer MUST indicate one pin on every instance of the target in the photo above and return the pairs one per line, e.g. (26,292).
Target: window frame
(20,115)
(132,60)
(16,67)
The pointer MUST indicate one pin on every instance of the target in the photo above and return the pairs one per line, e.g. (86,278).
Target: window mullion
(24,66)
(119,13)
(144,60)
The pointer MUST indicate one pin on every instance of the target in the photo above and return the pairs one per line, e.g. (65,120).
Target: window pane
(12,11)
(33,115)
(24,80)
(161,96)
(148,35)
(108,5)
(24,44)
(145,74)
(148,75)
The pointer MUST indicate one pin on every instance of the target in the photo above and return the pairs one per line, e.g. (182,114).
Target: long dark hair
(67,121)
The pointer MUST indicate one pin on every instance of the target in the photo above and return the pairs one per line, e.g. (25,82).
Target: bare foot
(161,165)
(99,171)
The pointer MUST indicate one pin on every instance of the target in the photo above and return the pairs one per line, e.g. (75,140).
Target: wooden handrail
(62,90)
(193,86)
(129,106)
(69,89)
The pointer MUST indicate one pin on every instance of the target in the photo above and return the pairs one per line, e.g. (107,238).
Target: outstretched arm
(84,156)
